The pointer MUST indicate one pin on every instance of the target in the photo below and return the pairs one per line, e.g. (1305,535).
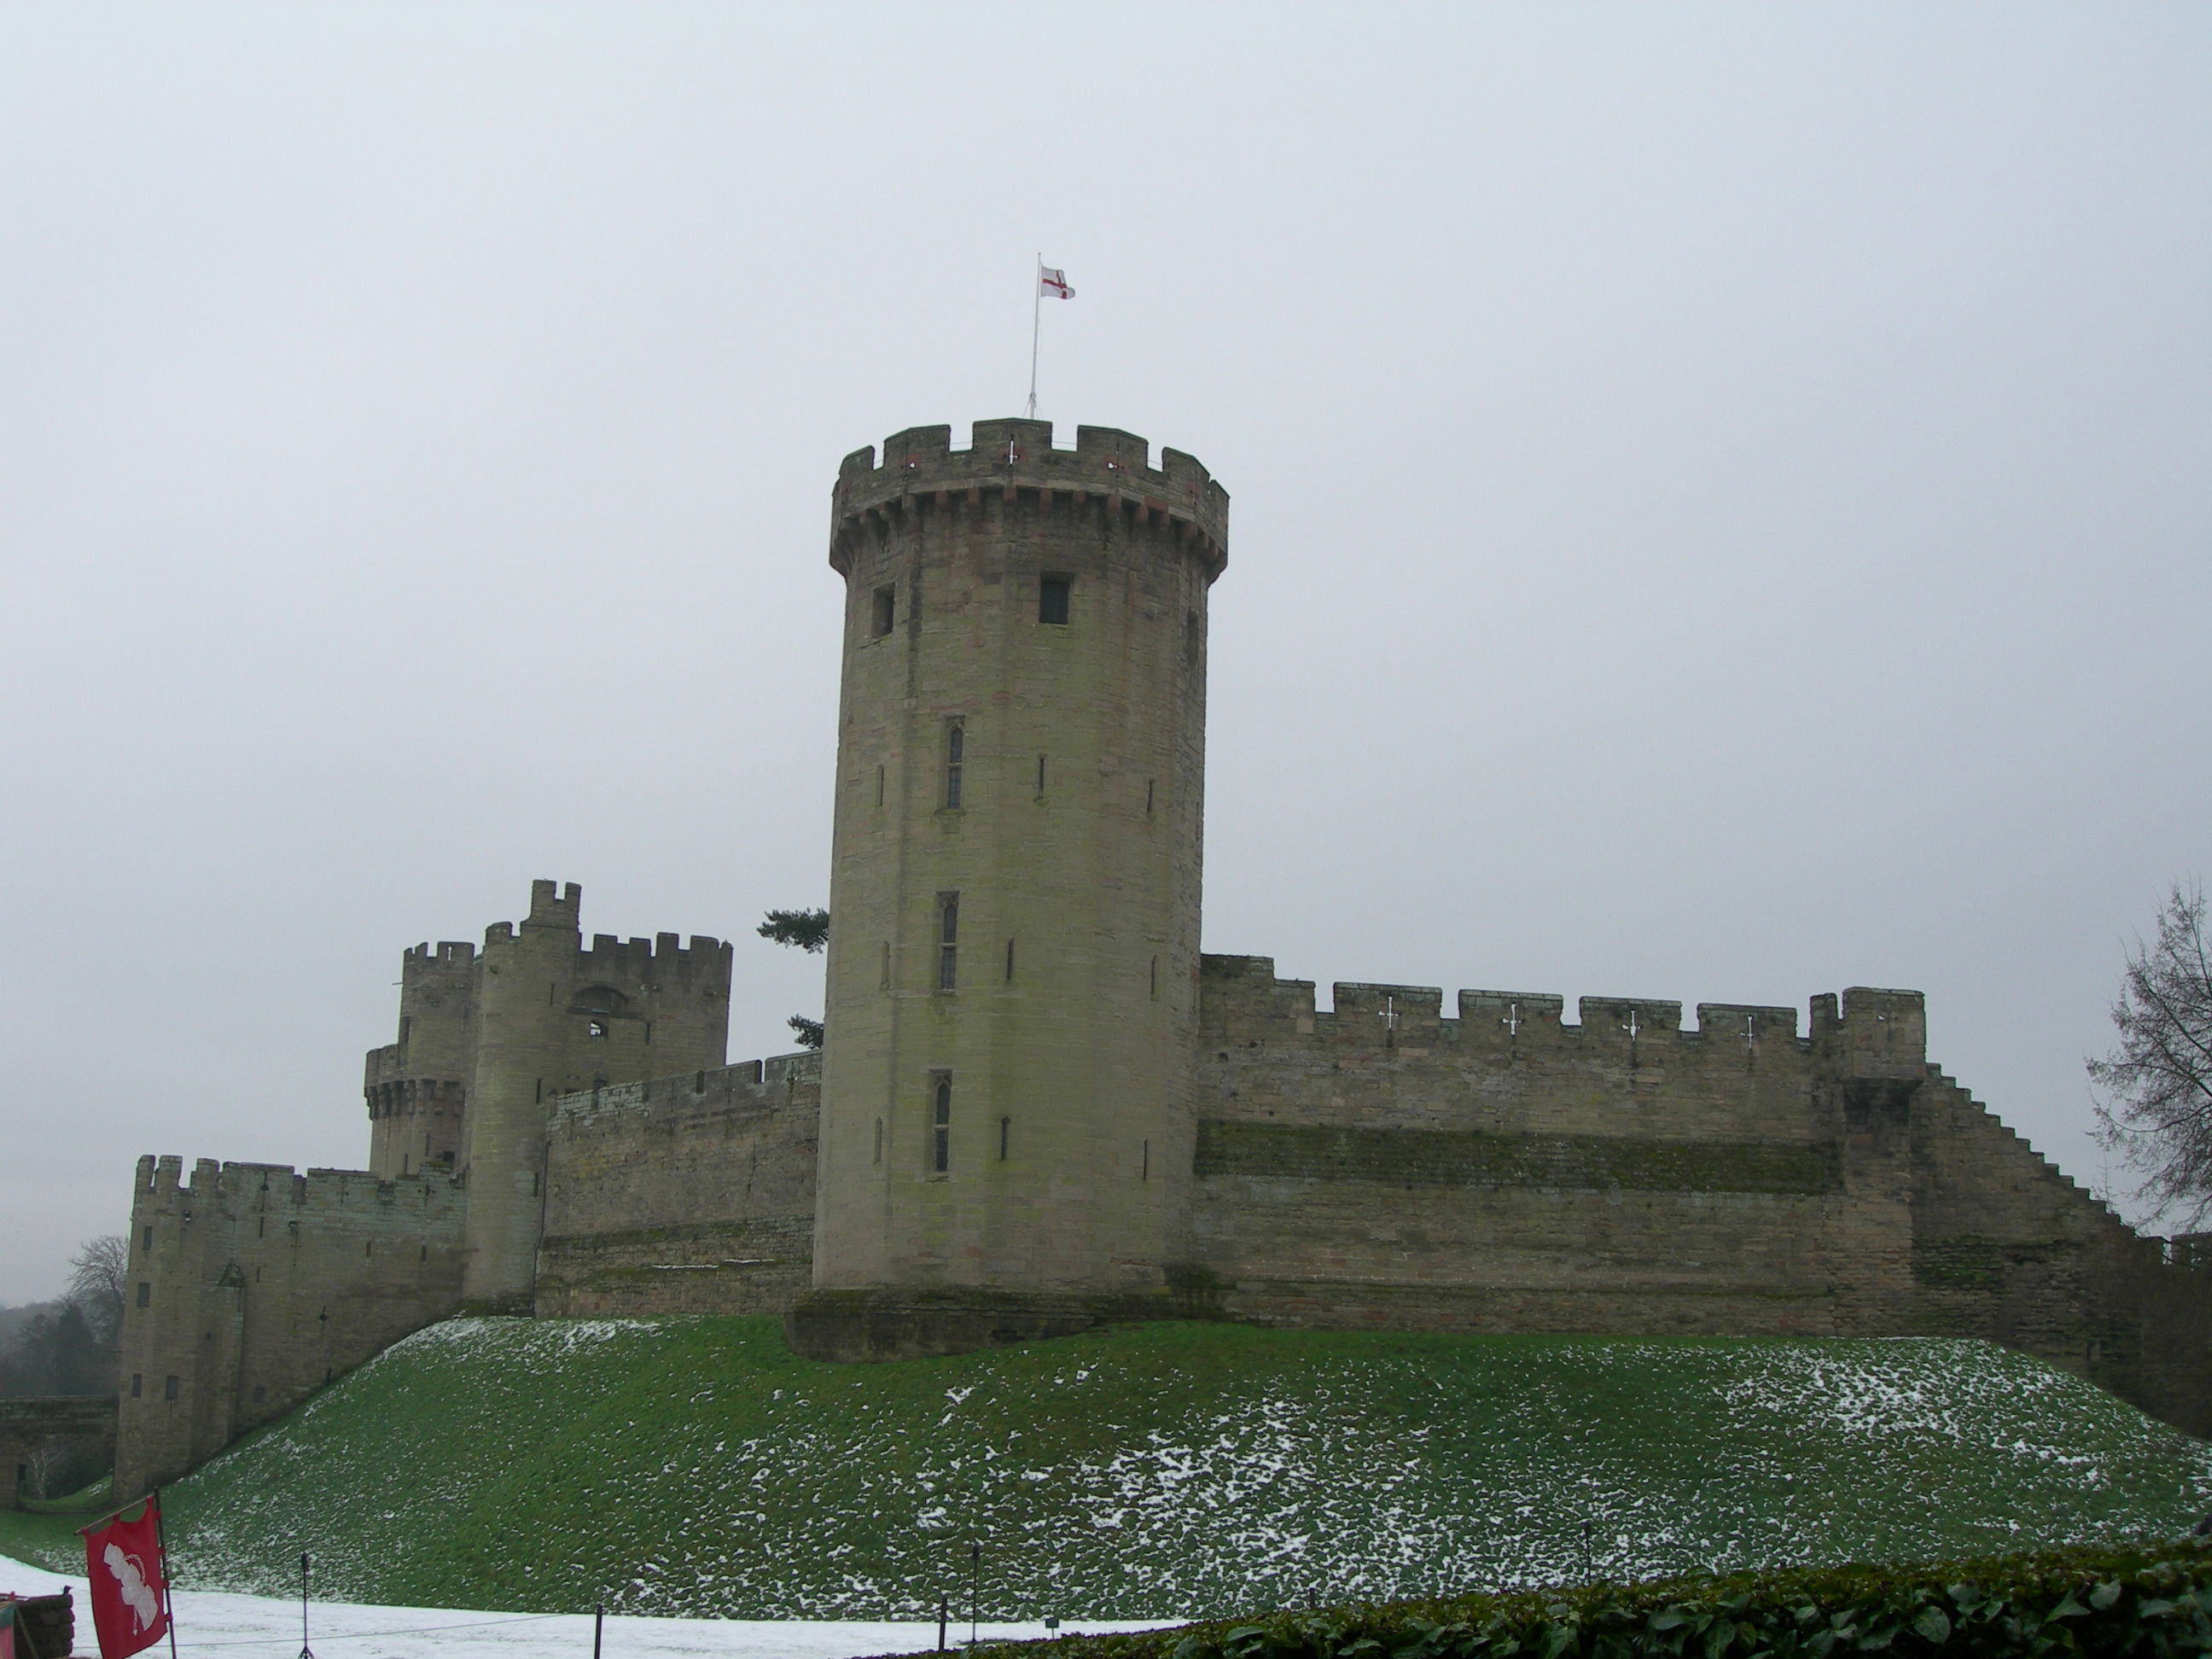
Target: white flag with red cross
(1054,283)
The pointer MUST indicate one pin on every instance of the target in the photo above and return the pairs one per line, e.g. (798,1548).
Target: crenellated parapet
(220,1190)
(1108,469)
(762,1084)
(1873,1034)
(648,962)
(1242,992)
(1872,1031)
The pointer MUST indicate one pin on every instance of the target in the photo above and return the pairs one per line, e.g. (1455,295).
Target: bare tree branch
(97,1273)
(2155,1087)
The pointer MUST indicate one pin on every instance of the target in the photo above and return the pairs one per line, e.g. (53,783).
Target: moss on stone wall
(1967,1262)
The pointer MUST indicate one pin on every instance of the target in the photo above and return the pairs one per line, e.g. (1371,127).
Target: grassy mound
(1169,1471)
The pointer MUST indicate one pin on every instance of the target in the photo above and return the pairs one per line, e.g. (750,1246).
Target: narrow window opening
(884,980)
(534,1185)
(1145,1166)
(146,1239)
(1005,1132)
(1148,796)
(879,1156)
(698,1082)
(940,1128)
(955,749)
(1010,962)
(648,1030)
(879,787)
(1052,600)
(1190,636)
(138,1383)
(169,1387)
(541,1091)
(886,609)
(948,941)
(1156,979)
(145,1293)
(1039,789)
(370,1249)
(422,1252)
(261,1227)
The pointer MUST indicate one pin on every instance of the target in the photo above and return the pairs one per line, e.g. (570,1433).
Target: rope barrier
(369,1635)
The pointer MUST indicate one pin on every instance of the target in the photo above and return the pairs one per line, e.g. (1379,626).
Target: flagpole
(168,1575)
(1036,316)
(95,1526)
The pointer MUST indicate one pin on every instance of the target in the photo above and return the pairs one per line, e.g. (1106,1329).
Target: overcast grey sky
(1721,500)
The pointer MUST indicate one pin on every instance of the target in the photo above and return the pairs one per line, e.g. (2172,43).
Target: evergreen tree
(809,930)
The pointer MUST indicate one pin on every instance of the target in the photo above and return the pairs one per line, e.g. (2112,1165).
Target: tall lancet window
(940,1128)
(956,751)
(948,940)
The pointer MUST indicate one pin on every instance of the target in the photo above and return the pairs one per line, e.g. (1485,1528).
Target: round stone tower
(1007,1126)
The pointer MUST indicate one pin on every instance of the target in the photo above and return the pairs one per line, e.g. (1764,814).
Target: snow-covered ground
(209,1621)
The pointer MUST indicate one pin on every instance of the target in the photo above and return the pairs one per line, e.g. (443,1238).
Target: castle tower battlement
(1006,1127)
(1108,467)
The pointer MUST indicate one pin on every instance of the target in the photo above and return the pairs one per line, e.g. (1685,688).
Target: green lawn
(1174,1470)
(46,1530)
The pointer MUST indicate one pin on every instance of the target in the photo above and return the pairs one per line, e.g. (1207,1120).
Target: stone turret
(552,1017)
(417,1087)
(1007,1128)
(525,984)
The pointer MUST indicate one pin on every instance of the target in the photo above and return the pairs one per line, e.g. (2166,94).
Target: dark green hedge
(2146,1603)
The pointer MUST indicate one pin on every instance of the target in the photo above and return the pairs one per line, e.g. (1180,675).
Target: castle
(1039,1107)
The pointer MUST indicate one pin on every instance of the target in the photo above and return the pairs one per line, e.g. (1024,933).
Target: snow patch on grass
(696,1467)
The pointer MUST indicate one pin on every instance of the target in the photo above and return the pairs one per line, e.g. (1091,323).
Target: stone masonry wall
(28,1424)
(684,1195)
(251,1287)
(2007,1247)
(1504,1170)
(1386,1165)
(1381,1165)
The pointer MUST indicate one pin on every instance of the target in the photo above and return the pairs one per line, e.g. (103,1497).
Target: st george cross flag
(130,1584)
(1053,283)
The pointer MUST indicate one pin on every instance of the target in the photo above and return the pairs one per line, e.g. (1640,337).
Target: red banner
(130,1584)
